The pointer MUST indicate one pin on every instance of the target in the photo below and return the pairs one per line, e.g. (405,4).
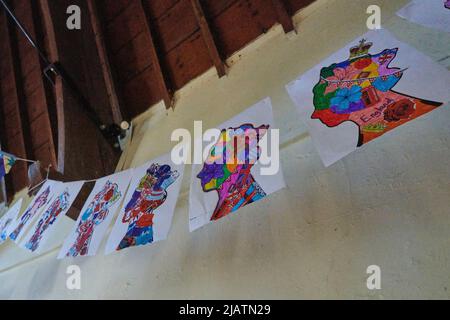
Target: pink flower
(341,74)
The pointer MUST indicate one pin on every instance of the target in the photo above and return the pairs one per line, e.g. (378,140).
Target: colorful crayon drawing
(232,178)
(94,215)
(38,203)
(60,204)
(4,229)
(360,90)
(150,194)
(7,221)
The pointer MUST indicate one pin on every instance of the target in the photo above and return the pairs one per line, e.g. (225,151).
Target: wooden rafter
(48,26)
(208,38)
(18,89)
(15,143)
(166,93)
(283,16)
(105,63)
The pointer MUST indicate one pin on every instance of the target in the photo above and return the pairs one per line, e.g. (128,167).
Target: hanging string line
(37,186)
(24,160)
(397,73)
(43,181)
(16,158)
(35,161)
(48,171)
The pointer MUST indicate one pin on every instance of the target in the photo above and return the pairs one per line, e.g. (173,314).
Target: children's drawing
(361,90)
(6,222)
(233,173)
(150,194)
(59,205)
(232,179)
(4,225)
(149,205)
(347,101)
(94,215)
(40,201)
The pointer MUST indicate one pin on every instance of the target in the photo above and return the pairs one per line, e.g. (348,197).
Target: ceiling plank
(33,87)
(166,93)
(19,88)
(283,16)
(15,140)
(105,62)
(83,153)
(208,38)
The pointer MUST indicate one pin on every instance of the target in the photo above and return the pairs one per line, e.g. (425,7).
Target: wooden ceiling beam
(208,38)
(105,62)
(283,16)
(18,88)
(83,153)
(164,86)
(15,142)
(38,100)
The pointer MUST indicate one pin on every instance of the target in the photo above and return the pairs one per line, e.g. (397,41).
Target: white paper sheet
(206,206)
(354,105)
(96,215)
(8,220)
(29,216)
(429,13)
(147,213)
(38,238)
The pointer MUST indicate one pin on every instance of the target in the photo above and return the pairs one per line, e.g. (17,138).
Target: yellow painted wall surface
(386,204)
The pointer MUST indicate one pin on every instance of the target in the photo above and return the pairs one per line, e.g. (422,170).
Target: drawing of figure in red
(148,196)
(48,218)
(94,215)
(38,203)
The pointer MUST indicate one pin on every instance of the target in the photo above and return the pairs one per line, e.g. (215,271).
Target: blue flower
(345,97)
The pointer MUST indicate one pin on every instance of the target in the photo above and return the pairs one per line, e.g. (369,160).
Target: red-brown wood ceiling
(182,50)
(154,48)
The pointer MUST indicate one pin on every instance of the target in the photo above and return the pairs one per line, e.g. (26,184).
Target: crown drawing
(361,50)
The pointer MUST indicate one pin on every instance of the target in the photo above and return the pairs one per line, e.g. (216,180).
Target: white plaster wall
(386,204)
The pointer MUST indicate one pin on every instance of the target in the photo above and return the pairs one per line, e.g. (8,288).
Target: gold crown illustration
(361,50)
